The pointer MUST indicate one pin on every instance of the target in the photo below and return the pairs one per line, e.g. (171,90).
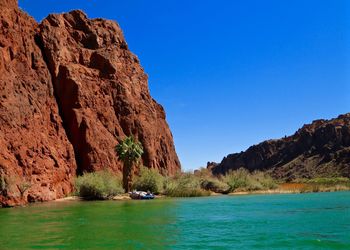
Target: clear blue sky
(232,73)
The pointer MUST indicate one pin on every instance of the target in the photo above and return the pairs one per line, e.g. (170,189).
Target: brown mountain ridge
(319,149)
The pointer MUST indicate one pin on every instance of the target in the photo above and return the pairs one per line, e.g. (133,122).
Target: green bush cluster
(184,185)
(329,181)
(149,180)
(242,180)
(98,185)
(325,184)
(105,185)
(181,185)
(265,180)
(3,184)
(215,185)
(24,186)
(210,182)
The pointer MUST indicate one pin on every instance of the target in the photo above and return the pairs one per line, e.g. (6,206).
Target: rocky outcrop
(102,93)
(69,88)
(319,149)
(36,159)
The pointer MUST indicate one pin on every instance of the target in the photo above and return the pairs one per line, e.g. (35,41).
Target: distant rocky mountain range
(319,149)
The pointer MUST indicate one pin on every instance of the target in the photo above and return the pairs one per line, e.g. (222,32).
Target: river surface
(288,221)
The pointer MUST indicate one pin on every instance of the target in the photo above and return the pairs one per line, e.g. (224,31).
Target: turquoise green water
(303,221)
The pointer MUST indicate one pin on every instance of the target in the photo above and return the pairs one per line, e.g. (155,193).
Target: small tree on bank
(129,151)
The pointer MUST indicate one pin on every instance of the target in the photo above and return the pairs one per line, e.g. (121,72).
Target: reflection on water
(245,222)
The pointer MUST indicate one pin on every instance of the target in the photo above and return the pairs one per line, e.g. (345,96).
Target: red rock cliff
(69,87)
(36,159)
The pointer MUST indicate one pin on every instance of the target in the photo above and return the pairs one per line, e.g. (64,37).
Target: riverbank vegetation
(106,185)
(149,180)
(130,152)
(99,185)
(184,185)
(243,180)
(324,184)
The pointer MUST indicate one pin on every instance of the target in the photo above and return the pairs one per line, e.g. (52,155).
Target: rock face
(320,149)
(69,88)
(36,159)
(102,93)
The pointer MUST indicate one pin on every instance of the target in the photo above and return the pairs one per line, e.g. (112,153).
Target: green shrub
(215,185)
(210,182)
(24,186)
(149,180)
(203,173)
(266,181)
(329,181)
(98,185)
(242,180)
(184,185)
(239,180)
(3,184)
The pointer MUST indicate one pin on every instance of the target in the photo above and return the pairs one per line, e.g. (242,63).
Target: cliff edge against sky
(69,88)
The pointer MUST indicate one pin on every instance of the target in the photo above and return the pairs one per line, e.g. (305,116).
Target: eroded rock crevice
(55,92)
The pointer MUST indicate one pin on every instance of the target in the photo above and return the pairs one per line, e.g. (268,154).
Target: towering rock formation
(36,159)
(68,88)
(102,93)
(320,149)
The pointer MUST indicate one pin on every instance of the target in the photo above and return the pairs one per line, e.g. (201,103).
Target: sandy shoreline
(125,197)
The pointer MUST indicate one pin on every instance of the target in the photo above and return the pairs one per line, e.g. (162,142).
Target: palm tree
(129,151)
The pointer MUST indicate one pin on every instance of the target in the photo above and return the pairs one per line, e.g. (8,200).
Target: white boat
(141,195)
